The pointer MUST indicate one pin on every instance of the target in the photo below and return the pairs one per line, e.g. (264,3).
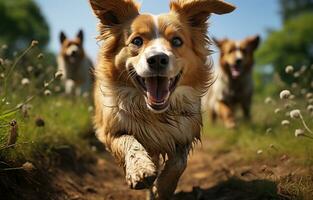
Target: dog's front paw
(140,172)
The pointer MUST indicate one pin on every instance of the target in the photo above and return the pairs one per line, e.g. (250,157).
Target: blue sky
(251,17)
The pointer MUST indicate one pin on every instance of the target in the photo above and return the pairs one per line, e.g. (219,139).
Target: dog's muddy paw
(141,175)
(139,182)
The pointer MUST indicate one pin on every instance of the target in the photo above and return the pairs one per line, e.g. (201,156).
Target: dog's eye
(138,41)
(177,42)
(231,50)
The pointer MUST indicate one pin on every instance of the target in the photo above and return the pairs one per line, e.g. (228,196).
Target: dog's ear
(219,43)
(80,35)
(114,12)
(62,37)
(197,12)
(253,42)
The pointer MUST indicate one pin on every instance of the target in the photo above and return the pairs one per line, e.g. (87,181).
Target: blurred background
(255,15)
(47,145)
(285,27)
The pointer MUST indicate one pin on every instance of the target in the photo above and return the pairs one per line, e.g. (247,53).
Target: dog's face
(159,53)
(236,57)
(72,50)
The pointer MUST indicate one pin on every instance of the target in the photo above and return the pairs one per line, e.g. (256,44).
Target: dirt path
(210,175)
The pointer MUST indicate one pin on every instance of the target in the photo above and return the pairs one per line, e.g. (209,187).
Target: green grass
(252,137)
(66,119)
(65,123)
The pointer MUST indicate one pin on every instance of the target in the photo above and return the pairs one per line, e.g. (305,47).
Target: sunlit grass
(50,122)
(265,134)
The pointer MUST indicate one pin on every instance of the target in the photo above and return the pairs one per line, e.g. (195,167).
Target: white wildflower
(259,152)
(34,43)
(285,123)
(30,68)
(277,110)
(269,130)
(289,69)
(58,74)
(295,114)
(299,132)
(25,81)
(268,100)
(297,74)
(309,95)
(285,94)
(47,92)
(310,108)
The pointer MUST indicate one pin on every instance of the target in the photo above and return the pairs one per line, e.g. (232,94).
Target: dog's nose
(238,61)
(74,53)
(158,61)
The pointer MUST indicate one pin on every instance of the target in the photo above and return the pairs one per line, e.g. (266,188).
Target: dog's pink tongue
(157,89)
(235,72)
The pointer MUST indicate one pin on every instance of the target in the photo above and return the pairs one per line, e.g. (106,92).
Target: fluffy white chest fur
(160,133)
(77,76)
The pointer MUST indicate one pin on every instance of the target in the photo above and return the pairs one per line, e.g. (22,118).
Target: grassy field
(265,136)
(49,124)
(35,117)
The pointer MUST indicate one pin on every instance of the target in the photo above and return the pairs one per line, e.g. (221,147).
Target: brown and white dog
(151,75)
(234,83)
(75,65)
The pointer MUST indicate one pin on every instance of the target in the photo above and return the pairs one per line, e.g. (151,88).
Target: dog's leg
(169,177)
(213,116)
(227,115)
(246,107)
(69,86)
(139,168)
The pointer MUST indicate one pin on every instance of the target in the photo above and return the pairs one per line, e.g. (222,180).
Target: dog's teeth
(171,81)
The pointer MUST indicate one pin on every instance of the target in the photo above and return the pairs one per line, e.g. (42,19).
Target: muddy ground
(211,175)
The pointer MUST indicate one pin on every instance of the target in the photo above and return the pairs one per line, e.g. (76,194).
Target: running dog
(150,77)
(234,82)
(75,65)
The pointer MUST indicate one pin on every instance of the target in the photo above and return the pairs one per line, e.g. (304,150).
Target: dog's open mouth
(157,90)
(235,71)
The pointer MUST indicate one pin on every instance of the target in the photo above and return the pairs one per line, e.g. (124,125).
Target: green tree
(293,45)
(294,8)
(21,21)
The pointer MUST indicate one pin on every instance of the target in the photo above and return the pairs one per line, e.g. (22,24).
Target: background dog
(75,65)
(151,75)
(234,83)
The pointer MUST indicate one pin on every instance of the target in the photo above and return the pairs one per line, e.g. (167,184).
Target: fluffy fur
(75,65)
(234,83)
(134,124)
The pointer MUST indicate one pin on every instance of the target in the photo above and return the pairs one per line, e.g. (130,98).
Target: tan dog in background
(74,64)
(234,83)
(151,75)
